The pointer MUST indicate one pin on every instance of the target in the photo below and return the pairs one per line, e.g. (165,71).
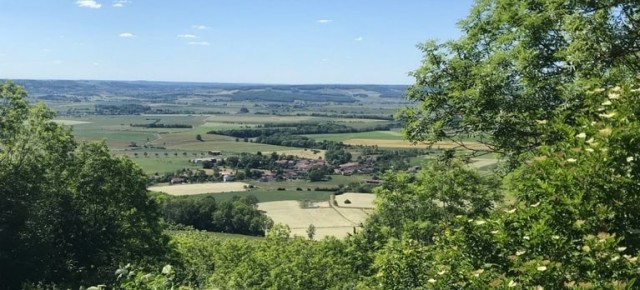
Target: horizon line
(208,82)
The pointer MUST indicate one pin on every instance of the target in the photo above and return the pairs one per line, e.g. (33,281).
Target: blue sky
(248,41)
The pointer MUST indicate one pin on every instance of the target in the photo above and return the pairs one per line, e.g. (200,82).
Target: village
(271,168)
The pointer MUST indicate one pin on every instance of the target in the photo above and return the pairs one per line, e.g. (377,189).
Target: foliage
(239,215)
(276,262)
(59,220)
(336,155)
(574,222)
(268,130)
(519,63)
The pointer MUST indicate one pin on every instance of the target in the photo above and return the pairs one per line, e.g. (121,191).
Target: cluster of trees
(336,155)
(298,129)
(240,215)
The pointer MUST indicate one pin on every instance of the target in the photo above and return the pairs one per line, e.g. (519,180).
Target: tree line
(299,129)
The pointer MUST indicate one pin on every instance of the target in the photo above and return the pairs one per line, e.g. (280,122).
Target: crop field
(373,135)
(357,200)
(327,220)
(257,119)
(193,189)
(303,153)
(406,144)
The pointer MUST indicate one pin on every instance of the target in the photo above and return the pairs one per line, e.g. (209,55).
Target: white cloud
(201,27)
(324,60)
(201,43)
(359,38)
(187,36)
(89,4)
(126,35)
(120,3)
(324,21)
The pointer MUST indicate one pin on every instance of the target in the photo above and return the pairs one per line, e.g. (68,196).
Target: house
(267,176)
(202,160)
(373,181)
(228,177)
(290,174)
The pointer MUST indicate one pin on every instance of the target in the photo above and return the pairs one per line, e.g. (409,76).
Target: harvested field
(70,122)
(309,154)
(200,188)
(358,200)
(406,144)
(327,220)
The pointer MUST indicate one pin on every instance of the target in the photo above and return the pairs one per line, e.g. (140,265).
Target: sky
(230,41)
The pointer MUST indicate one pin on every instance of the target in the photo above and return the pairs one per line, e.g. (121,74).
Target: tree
(243,110)
(311,231)
(59,220)
(519,65)
(336,155)
(199,138)
(315,174)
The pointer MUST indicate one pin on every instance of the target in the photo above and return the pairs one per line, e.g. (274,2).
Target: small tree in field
(311,231)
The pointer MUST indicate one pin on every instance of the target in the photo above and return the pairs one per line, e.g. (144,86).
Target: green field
(379,135)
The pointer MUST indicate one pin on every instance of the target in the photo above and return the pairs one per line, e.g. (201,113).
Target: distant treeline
(298,129)
(286,95)
(121,109)
(156,124)
(351,116)
(240,215)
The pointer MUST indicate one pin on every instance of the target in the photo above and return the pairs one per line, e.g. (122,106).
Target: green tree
(315,174)
(59,220)
(199,138)
(517,65)
(311,231)
(336,155)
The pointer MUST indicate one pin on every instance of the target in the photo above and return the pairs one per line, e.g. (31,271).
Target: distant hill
(71,90)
